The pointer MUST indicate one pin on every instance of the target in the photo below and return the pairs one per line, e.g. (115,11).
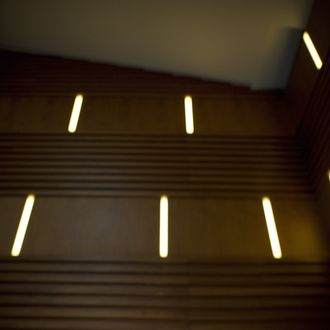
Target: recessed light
(271,226)
(75,113)
(23,224)
(188,107)
(163,227)
(312,50)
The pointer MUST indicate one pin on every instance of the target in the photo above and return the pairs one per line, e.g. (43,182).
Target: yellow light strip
(188,107)
(21,230)
(75,113)
(312,50)
(163,227)
(271,226)
(329,175)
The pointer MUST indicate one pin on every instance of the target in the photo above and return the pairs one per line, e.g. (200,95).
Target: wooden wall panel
(10,208)
(309,101)
(24,74)
(315,126)
(262,116)
(163,295)
(213,229)
(35,114)
(154,115)
(37,92)
(200,228)
(143,114)
(93,228)
(140,165)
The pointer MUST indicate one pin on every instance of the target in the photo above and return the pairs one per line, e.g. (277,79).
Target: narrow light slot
(271,226)
(163,227)
(188,108)
(329,175)
(21,230)
(75,113)
(312,50)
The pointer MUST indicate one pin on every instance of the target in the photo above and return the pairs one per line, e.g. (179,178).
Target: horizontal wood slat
(282,293)
(161,325)
(64,164)
(266,302)
(165,314)
(162,267)
(299,291)
(172,280)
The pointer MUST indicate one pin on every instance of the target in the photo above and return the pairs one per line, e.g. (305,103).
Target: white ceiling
(250,42)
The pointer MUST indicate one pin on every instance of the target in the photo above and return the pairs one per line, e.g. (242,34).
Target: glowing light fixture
(75,113)
(329,175)
(312,50)
(188,107)
(163,227)
(271,226)
(21,230)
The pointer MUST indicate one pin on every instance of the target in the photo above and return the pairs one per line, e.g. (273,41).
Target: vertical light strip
(312,50)
(188,108)
(329,175)
(163,227)
(271,226)
(21,230)
(75,113)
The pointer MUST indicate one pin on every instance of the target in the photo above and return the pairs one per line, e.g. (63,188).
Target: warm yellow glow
(271,226)
(188,108)
(21,230)
(163,227)
(329,175)
(312,50)
(75,113)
